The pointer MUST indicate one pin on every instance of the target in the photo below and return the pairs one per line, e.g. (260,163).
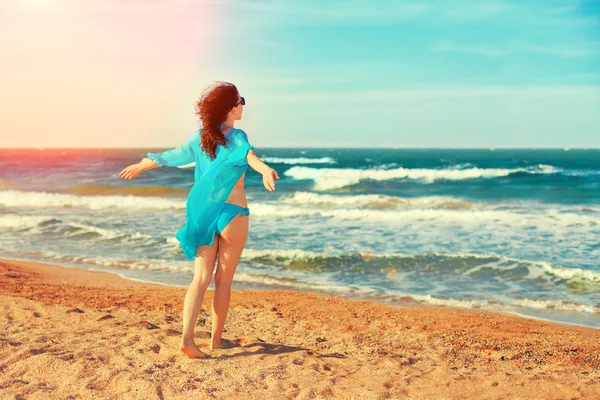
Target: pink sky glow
(87,73)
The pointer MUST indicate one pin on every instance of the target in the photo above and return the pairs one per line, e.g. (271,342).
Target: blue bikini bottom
(228,213)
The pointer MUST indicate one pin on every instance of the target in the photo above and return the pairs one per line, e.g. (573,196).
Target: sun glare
(37,3)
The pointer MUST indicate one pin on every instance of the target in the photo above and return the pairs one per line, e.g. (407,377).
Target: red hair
(212,108)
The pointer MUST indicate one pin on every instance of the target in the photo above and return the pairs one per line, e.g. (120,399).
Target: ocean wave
(363,291)
(305,278)
(461,264)
(352,208)
(512,304)
(451,213)
(299,160)
(17,198)
(148,265)
(464,264)
(375,201)
(556,305)
(335,178)
(74,229)
(311,200)
(567,273)
(70,229)
(18,222)
(282,255)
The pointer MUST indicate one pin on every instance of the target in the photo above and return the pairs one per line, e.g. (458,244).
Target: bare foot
(223,344)
(191,350)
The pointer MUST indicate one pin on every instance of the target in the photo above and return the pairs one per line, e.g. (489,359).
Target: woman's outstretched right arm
(180,155)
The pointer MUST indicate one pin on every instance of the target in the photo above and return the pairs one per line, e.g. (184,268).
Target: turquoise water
(515,230)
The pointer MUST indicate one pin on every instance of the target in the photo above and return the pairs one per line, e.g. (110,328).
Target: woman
(216,209)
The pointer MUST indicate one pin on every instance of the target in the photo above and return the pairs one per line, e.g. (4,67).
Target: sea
(512,230)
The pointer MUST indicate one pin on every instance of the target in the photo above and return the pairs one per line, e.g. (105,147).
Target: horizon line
(324,147)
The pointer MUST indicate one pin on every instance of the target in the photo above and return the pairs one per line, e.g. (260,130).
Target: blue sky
(415,73)
(375,73)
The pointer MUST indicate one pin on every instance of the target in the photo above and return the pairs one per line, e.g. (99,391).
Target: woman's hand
(135,169)
(269,179)
(132,171)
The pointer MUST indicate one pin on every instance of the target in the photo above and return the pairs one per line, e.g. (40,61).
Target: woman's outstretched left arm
(268,173)
(242,153)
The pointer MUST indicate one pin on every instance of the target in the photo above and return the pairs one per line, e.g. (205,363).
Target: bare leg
(231,244)
(203,270)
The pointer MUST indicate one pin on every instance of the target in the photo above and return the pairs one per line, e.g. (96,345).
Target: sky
(369,73)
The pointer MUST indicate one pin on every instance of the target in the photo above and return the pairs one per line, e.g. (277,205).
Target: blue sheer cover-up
(213,182)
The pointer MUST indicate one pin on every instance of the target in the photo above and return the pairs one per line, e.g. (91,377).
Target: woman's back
(234,153)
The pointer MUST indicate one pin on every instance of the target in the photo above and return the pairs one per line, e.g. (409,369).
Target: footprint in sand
(155,348)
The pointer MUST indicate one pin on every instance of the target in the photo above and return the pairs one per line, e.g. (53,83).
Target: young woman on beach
(216,208)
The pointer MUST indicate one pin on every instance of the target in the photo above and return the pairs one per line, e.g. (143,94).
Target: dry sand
(76,334)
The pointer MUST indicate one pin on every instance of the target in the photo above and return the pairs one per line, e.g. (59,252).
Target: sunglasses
(242,102)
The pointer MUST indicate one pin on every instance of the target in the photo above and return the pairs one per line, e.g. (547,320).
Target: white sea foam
(15,221)
(539,220)
(138,264)
(536,269)
(323,284)
(556,305)
(376,201)
(513,304)
(17,198)
(359,207)
(283,256)
(105,233)
(326,282)
(570,273)
(299,160)
(328,285)
(539,269)
(454,302)
(334,178)
(35,222)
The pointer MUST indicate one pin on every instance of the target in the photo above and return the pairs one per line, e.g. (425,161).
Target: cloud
(446,92)
(327,12)
(574,50)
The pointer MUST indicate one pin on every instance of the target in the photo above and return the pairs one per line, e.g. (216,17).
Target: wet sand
(77,334)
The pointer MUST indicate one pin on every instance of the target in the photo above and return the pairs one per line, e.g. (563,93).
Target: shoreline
(76,332)
(403,301)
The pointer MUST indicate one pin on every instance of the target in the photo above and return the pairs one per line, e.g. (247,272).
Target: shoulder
(239,134)
(195,137)
(236,135)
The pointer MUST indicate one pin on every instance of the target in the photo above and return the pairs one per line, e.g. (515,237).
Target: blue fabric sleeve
(239,149)
(180,155)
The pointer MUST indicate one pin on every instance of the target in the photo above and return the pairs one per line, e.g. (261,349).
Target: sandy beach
(77,334)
